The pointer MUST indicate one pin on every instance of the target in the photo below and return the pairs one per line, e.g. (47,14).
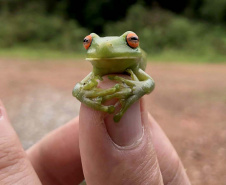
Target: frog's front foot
(133,90)
(93,97)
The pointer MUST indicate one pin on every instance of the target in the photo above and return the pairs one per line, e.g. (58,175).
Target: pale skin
(82,149)
(114,55)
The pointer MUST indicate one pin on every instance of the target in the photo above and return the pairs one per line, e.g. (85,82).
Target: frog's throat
(113,58)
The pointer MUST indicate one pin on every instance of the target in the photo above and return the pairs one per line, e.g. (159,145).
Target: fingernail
(129,130)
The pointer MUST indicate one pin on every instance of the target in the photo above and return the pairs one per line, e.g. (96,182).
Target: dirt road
(189,103)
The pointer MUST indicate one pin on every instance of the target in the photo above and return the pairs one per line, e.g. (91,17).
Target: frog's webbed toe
(125,104)
(98,92)
(98,106)
(122,80)
(120,94)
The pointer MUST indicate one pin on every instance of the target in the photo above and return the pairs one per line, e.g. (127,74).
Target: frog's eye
(132,40)
(87,41)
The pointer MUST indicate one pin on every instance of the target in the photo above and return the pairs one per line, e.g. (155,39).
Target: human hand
(134,151)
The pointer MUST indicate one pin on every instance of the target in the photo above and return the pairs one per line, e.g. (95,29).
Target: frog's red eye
(132,40)
(87,41)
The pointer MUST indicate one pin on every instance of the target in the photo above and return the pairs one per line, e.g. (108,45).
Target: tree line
(94,14)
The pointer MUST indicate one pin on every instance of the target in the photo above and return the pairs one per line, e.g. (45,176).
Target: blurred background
(42,57)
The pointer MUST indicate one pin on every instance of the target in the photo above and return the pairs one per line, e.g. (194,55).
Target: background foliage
(194,27)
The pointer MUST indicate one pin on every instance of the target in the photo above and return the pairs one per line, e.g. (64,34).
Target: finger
(171,167)
(15,168)
(56,158)
(117,153)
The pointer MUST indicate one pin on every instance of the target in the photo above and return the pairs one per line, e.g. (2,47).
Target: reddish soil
(189,103)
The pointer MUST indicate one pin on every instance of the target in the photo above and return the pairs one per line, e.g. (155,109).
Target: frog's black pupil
(85,40)
(134,38)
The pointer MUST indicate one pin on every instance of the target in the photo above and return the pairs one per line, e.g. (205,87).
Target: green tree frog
(111,56)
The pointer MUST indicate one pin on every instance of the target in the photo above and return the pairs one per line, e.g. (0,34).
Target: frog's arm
(140,84)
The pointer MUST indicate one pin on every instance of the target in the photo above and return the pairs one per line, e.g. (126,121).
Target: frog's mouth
(103,66)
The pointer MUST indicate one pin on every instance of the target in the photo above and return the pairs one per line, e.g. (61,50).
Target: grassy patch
(185,56)
(38,53)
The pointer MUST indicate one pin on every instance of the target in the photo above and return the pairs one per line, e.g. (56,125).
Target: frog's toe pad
(76,89)
(117,117)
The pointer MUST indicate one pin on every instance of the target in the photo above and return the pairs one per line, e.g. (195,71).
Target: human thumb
(117,153)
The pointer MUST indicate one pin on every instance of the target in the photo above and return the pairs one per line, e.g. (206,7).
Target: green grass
(188,57)
(165,56)
(38,53)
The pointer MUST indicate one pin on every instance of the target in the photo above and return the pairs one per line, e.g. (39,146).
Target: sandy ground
(189,103)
